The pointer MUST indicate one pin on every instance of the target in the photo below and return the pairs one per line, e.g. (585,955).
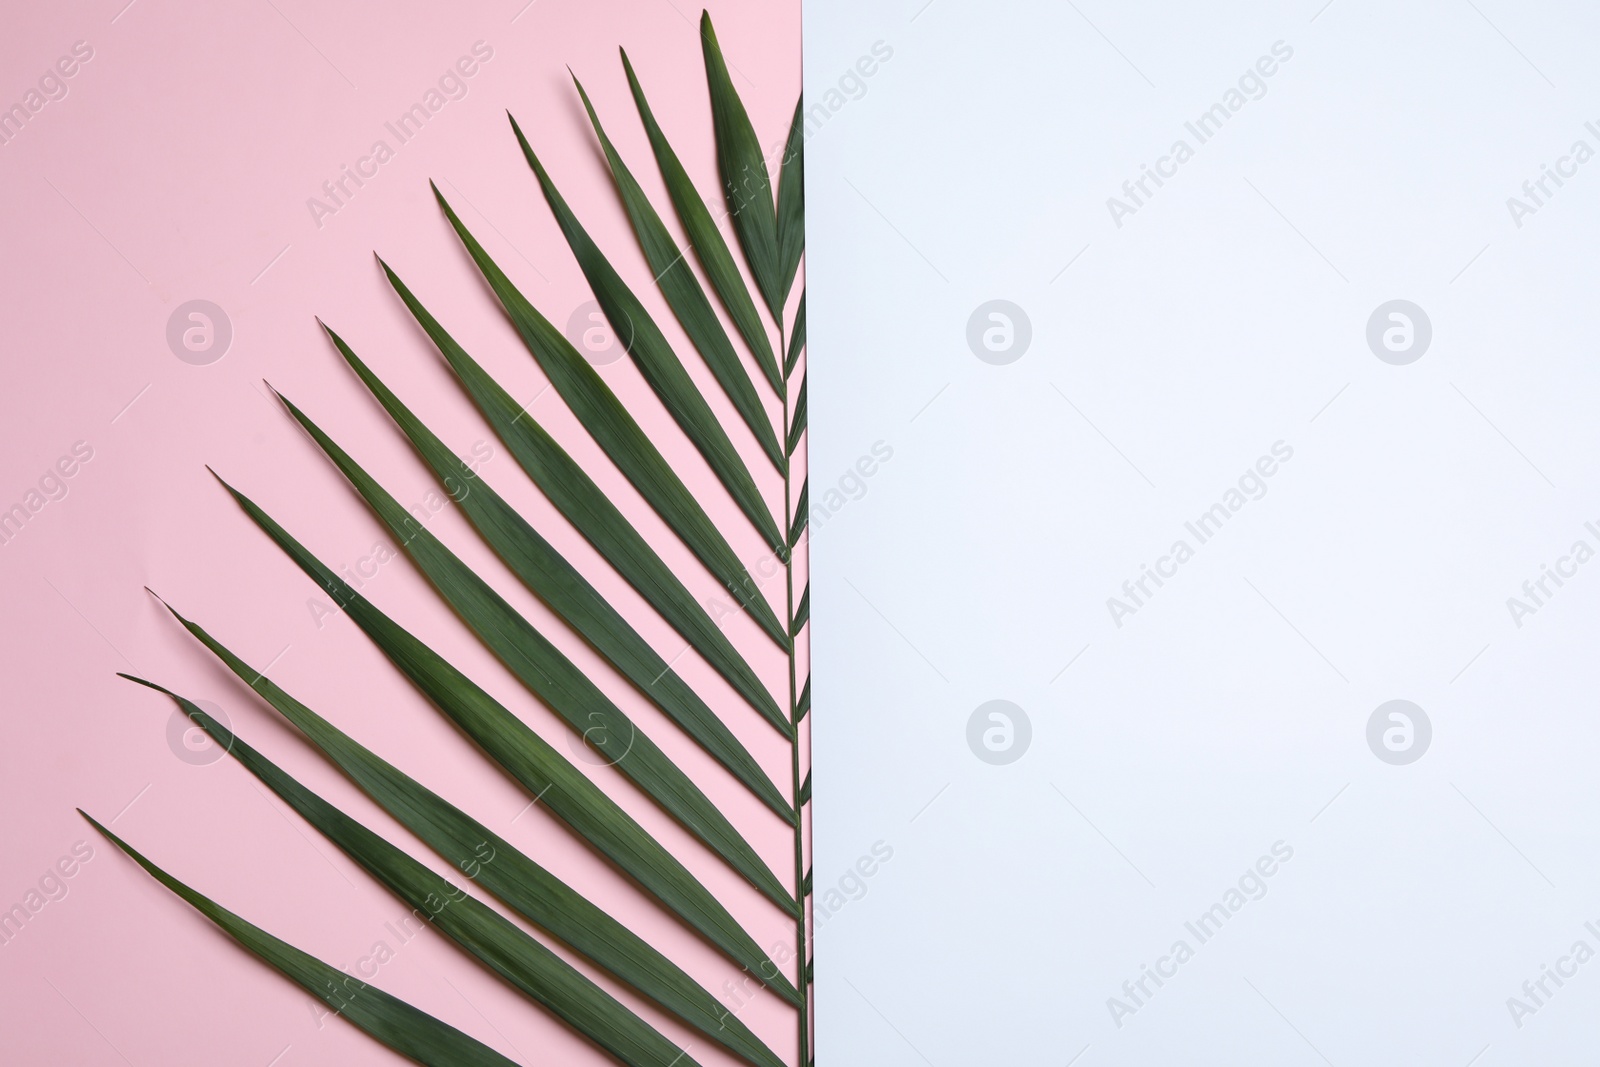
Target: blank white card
(1205,527)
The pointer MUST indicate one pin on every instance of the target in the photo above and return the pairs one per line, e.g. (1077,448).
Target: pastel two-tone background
(190,186)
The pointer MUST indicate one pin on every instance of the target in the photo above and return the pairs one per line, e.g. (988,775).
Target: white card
(1216,387)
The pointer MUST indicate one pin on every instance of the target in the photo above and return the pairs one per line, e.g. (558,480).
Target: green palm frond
(766,214)
(580,500)
(525,886)
(745,183)
(547,775)
(709,247)
(395,1023)
(797,339)
(792,216)
(685,296)
(555,581)
(801,507)
(620,437)
(521,961)
(797,425)
(548,674)
(657,361)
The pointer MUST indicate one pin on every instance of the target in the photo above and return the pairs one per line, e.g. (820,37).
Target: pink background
(178,167)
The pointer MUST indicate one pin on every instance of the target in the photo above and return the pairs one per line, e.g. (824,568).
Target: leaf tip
(285,401)
(147,684)
(222,482)
(92,821)
(517,129)
(289,406)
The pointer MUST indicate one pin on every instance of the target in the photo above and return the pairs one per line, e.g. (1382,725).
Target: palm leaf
(544,772)
(772,241)
(801,514)
(745,182)
(797,424)
(656,360)
(553,678)
(792,204)
(525,886)
(410,1032)
(521,961)
(797,339)
(619,436)
(685,296)
(709,247)
(577,497)
(550,577)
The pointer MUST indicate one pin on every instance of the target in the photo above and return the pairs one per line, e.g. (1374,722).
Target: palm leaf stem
(802,943)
